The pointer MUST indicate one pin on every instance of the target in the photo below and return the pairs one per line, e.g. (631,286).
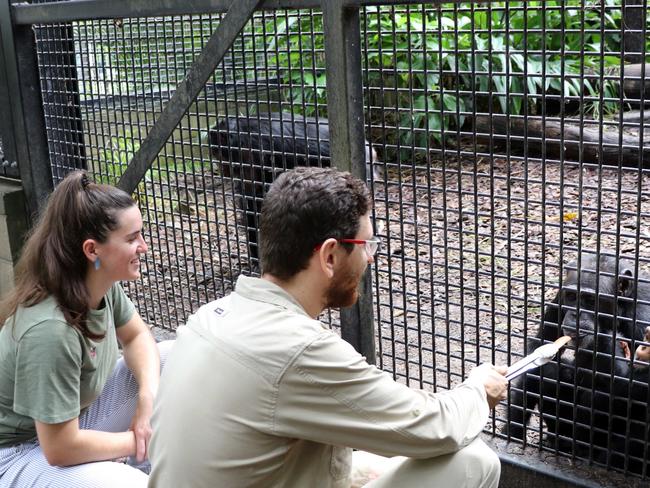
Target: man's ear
(89,248)
(327,257)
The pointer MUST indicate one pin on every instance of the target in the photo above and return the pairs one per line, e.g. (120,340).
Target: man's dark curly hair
(303,208)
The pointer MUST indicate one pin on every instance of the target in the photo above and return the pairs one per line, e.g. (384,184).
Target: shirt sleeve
(331,395)
(123,308)
(48,372)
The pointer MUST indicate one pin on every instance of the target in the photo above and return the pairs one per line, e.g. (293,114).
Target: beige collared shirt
(256,393)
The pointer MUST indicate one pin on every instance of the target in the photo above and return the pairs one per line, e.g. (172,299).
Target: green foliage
(146,56)
(115,156)
(428,68)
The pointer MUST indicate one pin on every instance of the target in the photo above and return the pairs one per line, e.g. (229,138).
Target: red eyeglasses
(371,245)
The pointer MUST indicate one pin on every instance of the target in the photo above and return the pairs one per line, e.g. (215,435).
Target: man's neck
(305,290)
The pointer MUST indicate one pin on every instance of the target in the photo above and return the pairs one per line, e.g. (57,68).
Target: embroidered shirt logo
(93,352)
(220,311)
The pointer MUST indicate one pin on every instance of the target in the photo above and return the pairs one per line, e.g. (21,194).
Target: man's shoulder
(239,315)
(217,307)
(265,337)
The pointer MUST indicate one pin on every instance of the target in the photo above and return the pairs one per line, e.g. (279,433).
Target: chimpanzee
(593,402)
(254,150)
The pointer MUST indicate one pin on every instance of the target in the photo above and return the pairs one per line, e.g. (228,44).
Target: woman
(66,400)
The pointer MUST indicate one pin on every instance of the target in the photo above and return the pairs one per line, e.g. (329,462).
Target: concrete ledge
(529,466)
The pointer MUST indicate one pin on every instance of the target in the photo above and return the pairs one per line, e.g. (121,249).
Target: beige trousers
(474,466)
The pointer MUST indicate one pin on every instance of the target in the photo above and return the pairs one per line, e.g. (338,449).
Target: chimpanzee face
(578,311)
(582,308)
(600,296)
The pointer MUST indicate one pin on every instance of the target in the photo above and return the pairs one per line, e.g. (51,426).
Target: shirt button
(416,412)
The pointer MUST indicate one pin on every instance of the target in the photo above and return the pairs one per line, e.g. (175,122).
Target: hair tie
(85,181)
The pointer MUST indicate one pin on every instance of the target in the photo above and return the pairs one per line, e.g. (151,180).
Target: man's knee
(164,347)
(474,466)
(483,465)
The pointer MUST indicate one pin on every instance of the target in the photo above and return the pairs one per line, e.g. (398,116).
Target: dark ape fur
(593,401)
(254,150)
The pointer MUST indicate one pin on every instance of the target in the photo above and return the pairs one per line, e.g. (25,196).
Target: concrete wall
(13,227)
(530,467)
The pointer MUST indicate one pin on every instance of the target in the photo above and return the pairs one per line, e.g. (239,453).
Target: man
(258,393)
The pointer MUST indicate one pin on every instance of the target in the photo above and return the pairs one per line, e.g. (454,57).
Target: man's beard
(343,290)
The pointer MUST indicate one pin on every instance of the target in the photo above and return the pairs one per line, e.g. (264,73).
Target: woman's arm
(141,356)
(65,444)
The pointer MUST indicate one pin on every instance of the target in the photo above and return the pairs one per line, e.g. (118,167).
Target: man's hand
(141,426)
(494,380)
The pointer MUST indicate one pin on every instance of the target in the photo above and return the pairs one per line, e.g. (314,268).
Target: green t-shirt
(48,371)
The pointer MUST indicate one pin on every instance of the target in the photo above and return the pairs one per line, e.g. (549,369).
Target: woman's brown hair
(52,260)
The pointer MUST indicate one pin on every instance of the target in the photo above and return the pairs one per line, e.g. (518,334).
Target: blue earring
(97,263)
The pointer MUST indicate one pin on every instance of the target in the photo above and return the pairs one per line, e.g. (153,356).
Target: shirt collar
(264,291)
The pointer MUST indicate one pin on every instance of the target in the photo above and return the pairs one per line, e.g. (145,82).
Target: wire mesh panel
(513,138)
(60,96)
(200,200)
(512,192)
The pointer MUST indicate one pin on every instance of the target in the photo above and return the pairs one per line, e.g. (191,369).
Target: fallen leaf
(570,216)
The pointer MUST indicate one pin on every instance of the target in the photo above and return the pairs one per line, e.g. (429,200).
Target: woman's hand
(141,426)
(141,356)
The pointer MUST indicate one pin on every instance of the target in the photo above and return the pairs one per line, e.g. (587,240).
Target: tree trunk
(568,139)
(632,87)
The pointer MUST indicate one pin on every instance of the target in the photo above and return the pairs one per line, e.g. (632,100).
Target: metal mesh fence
(126,71)
(495,122)
(510,135)
(497,125)
(4,164)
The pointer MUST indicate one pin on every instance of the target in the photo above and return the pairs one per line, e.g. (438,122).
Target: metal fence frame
(24,134)
(20,90)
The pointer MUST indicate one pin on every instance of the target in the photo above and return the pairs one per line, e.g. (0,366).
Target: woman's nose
(143,248)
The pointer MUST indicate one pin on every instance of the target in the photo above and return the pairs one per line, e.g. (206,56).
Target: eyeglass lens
(372,246)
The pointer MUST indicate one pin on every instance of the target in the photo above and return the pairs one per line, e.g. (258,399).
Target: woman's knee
(108,474)
(34,470)
(164,347)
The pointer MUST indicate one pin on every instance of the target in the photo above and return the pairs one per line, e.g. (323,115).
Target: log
(633,116)
(594,150)
(632,82)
